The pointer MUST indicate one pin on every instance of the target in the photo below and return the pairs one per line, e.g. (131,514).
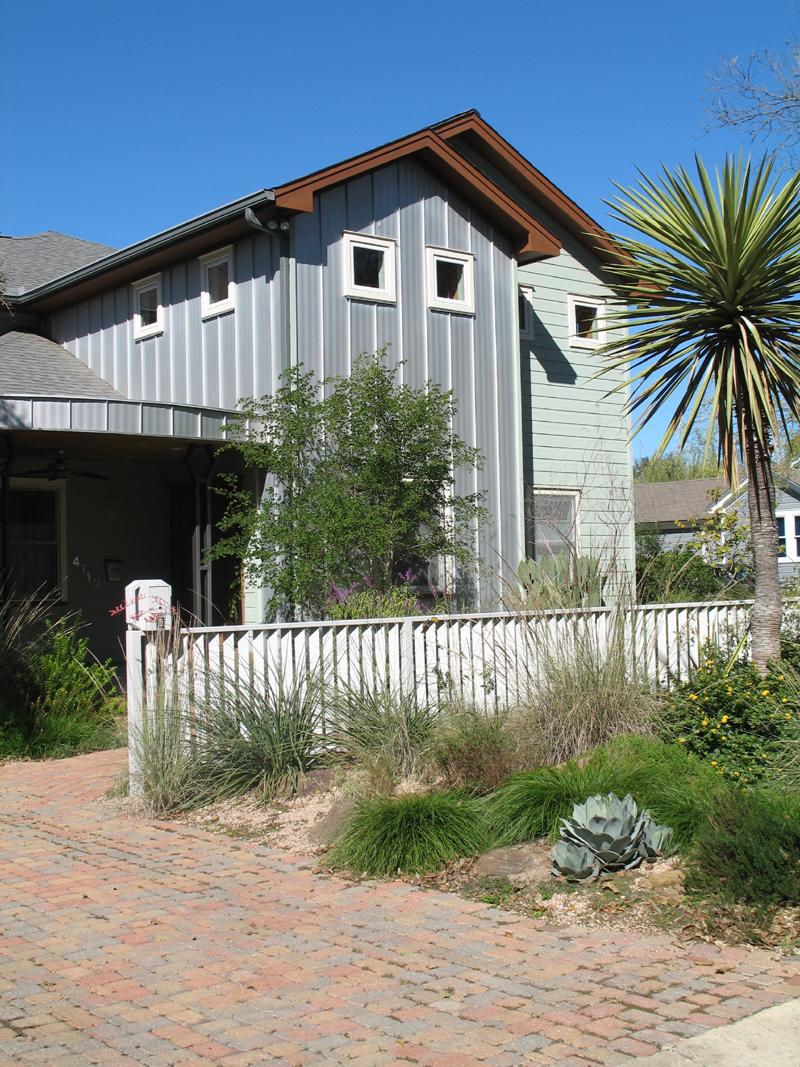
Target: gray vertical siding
(203,364)
(476,356)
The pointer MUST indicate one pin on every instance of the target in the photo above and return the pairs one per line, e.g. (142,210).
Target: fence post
(134,654)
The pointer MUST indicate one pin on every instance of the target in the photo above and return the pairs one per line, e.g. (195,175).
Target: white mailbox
(148,604)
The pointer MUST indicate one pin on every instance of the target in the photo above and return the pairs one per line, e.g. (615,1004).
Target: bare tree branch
(759,96)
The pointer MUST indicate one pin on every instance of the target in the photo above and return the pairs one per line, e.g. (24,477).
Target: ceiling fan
(58,470)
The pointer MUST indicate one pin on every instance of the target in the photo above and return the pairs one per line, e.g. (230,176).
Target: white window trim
(221,307)
(387,295)
(465,306)
(140,332)
(789,535)
(576,496)
(60,487)
(586,301)
(526,331)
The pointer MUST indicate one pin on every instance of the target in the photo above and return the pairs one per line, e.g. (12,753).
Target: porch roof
(31,365)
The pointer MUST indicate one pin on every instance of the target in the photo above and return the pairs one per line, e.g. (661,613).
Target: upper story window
(148,312)
(370,267)
(587,325)
(525,312)
(451,280)
(218,295)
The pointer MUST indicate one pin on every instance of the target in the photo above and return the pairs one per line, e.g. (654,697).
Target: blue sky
(121,120)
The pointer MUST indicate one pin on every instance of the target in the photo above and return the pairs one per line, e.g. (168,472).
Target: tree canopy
(360,485)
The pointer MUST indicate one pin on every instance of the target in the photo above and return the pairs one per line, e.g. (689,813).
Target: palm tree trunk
(766,626)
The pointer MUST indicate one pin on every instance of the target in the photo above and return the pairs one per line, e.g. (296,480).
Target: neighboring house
(787,510)
(669,507)
(118,368)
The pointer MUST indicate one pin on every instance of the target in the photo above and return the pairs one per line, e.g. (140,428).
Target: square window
(525,312)
(586,322)
(451,285)
(369,267)
(219,291)
(147,310)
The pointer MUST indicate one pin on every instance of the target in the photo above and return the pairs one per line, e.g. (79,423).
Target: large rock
(328,828)
(519,865)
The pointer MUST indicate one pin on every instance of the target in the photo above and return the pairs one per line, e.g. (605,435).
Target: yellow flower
(724,718)
(692,696)
(723,738)
(788,715)
(713,763)
(765,692)
(785,701)
(705,722)
(780,677)
(683,740)
(736,773)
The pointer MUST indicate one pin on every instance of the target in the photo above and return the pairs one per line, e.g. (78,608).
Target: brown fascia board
(481,136)
(530,239)
(203,234)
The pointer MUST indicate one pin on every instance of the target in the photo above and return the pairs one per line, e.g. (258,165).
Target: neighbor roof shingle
(31,365)
(660,502)
(28,262)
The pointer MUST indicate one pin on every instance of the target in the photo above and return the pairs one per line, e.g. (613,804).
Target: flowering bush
(736,720)
(363,601)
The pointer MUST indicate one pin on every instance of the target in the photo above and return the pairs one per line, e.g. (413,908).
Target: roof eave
(192,237)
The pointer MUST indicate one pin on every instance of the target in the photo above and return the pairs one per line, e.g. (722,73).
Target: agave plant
(607,834)
(562,581)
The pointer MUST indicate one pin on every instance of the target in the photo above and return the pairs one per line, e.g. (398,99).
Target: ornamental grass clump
(411,834)
(730,716)
(677,789)
(477,748)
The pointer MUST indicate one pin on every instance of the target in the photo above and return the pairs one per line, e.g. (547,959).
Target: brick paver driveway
(134,942)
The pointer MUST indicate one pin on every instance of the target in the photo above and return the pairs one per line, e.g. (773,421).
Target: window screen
(217,282)
(781,537)
(586,321)
(553,524)
(449,280)
(368,267)
(33,540)
(148,306)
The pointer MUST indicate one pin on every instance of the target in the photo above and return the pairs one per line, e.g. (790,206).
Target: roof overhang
(530,240)
(214,229)
(506,159)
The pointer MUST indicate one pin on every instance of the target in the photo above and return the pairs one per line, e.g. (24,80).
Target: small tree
(359,485)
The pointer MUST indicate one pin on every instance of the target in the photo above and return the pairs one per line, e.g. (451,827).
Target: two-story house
(118,368)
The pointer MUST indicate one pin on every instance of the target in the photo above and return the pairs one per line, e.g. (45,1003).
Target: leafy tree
(713,310)
(359,485)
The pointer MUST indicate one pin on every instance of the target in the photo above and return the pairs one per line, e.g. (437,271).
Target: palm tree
(713,310)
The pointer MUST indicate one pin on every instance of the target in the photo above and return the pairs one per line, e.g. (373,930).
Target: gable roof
(28,262)
(436,147)
(671,502)
(530,239)
(31,365)
(504,157)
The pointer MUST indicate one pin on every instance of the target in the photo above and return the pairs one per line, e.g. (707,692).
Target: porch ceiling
(89,447)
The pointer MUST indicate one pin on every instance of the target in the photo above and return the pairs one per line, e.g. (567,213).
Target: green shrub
(476,749)
(748,850)
(733,718)
(412,834)
(56,700)
(677,788)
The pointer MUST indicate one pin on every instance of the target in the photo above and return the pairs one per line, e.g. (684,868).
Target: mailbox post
(148,607)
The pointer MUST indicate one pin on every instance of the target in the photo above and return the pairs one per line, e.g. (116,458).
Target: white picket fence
(487,659)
